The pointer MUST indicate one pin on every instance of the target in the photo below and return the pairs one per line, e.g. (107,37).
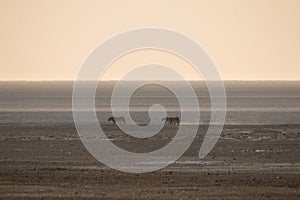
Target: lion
(171,120)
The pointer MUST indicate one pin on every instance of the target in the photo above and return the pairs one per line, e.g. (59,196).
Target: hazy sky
(247,39)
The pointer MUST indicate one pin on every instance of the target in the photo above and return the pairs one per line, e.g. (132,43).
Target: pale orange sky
(246,39)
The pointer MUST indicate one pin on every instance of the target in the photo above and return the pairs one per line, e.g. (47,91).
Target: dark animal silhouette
(119,120)
(171,120)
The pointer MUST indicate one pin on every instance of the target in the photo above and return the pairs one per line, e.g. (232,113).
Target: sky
(246,39)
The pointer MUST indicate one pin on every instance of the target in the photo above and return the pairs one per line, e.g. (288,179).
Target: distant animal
(119,120)
(171,120)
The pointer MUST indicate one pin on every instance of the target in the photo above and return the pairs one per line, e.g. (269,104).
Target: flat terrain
(48,161)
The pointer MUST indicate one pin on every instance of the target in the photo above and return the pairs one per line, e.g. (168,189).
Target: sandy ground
(249,162)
